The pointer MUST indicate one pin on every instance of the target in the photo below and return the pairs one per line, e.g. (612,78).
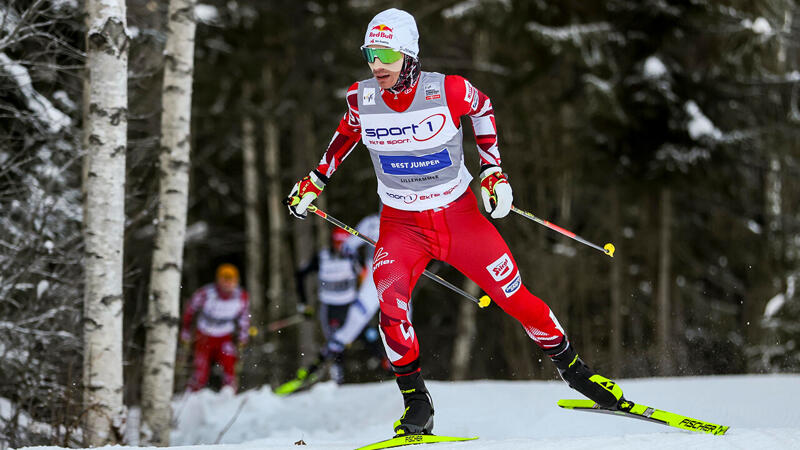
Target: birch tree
(252,189)
(275,296)
(165,271)
(664,332)
(277,302)
(107,124)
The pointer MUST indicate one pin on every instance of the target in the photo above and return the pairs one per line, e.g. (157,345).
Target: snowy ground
(506,415)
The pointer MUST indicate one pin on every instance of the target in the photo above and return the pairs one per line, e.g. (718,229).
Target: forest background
(669,128)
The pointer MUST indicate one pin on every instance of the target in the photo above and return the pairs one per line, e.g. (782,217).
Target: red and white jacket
(397,114)
(217,314)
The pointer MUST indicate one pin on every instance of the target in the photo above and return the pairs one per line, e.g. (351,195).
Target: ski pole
(288,321)
(484,300)
(608,249)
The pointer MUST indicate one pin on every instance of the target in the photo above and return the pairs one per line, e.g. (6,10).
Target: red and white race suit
(219,318)
(415,142)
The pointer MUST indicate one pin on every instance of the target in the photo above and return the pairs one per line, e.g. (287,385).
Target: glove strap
(318,179)
(488,169)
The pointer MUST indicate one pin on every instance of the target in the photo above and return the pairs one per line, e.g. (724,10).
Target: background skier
(222,315)
(337,289)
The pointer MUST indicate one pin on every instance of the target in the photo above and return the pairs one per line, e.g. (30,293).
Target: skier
(222,311)
(341,323)
(338,276)
(409,121)
(365,306)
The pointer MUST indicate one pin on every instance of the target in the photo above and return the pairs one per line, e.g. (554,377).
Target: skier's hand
(306,310)
(186,337)
(495,191)
(304,192)
(332,349)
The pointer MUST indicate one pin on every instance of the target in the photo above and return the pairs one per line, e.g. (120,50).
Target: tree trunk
(465,334)
(254,246)
(616,332)
(104,221)
(304,240)
(664,322)
(165,271)
(276,297)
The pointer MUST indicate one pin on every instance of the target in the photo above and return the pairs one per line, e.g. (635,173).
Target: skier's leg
(400,258)
(359,313)
(324,310)
(316,368)
(358,318)
(333,351)
(394,280)
(228,356)
(202,365)
(493,267)
(478,251)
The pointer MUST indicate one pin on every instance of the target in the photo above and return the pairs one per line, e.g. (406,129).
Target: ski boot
(418,415)
(333,353)
(336,372)
(580,377)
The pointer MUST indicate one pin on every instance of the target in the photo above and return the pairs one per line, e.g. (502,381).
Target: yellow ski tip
(484,301)
(288,387)
(609,248)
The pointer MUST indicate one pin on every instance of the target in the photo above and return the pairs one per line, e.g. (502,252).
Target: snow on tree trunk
(255,260)
(664,302)
(107,124)
(165,272)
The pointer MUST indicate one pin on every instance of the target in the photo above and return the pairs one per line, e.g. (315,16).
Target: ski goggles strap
(386,55)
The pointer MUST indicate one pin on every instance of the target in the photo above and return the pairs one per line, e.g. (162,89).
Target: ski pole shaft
(608,249)
(285,322)
(482,302)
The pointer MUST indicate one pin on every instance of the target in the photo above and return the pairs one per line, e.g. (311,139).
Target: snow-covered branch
(570,33)
(51,117)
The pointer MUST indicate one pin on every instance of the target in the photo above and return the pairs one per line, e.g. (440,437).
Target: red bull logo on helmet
(381,32)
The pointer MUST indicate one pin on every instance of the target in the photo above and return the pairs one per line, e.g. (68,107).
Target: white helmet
(395,29)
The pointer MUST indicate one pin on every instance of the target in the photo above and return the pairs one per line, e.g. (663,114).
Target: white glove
(495,191)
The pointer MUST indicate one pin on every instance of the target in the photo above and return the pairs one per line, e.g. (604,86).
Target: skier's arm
(300,277)
(243,322)
(347,135)
(464,99)
(194,305)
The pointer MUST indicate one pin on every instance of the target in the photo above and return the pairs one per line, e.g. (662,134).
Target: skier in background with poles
(221,311)
(337,288)
(347,297)
(409,121)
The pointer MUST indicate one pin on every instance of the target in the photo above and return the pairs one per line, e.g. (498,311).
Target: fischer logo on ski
(637,411)
(698,425)
(414,439)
